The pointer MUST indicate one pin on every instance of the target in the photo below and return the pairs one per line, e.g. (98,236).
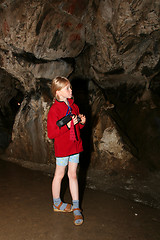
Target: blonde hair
(57,84)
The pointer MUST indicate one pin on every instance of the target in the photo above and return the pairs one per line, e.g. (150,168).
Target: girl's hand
(75,121)
(83,118)
(69,124)
(74,118)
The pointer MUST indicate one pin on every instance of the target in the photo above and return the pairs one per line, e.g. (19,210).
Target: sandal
(77,217)
(68,208)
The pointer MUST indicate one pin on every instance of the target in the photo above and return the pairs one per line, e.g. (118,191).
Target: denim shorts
(63,161)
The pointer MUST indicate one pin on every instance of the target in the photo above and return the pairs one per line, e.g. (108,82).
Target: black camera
(63,121)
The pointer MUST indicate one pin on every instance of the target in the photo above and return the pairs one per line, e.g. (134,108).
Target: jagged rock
(124,34)
(29,143)
(109,147)
(48,30)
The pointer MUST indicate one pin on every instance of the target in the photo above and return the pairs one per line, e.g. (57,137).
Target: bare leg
(56,184)
(58,206)
(73,182)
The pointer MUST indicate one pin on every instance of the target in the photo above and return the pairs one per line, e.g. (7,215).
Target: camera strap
(68,110)
(73,135)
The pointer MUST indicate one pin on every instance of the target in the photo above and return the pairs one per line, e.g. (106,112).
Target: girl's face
(65,93)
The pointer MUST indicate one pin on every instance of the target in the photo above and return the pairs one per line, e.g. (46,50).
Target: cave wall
(115,45)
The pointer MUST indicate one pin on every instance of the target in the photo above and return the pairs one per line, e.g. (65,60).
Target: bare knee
(72,175)
(59,174)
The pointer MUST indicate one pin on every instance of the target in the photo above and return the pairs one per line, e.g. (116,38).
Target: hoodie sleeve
(52,128)
(77,110)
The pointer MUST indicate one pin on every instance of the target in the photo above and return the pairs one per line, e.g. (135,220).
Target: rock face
(115,46)
(113,153)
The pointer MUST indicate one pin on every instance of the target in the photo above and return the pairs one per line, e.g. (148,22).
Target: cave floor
(26,212)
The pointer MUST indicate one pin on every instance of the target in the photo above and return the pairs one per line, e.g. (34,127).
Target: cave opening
(12,95)
(14,105)
(7,118)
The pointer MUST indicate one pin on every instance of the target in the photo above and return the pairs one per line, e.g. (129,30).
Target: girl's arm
(83,120)
(52,128)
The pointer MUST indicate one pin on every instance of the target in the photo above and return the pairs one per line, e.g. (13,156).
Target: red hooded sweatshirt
(63,145)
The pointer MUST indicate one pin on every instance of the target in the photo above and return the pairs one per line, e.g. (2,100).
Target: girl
(67,145)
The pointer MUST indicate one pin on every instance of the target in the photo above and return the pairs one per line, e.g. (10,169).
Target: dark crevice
(109,28)
(56,40)
(7,119)
(43,86)
(29,57)
(121,127)
(40,22)
(15,104)
(26,56)
(155,84)
(69,60)
(115,71)
(128,47)
(12,94)
(150,71)
(142,57)
(4,50)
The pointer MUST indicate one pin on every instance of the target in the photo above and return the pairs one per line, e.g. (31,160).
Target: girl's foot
(78,218)
(59,206)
